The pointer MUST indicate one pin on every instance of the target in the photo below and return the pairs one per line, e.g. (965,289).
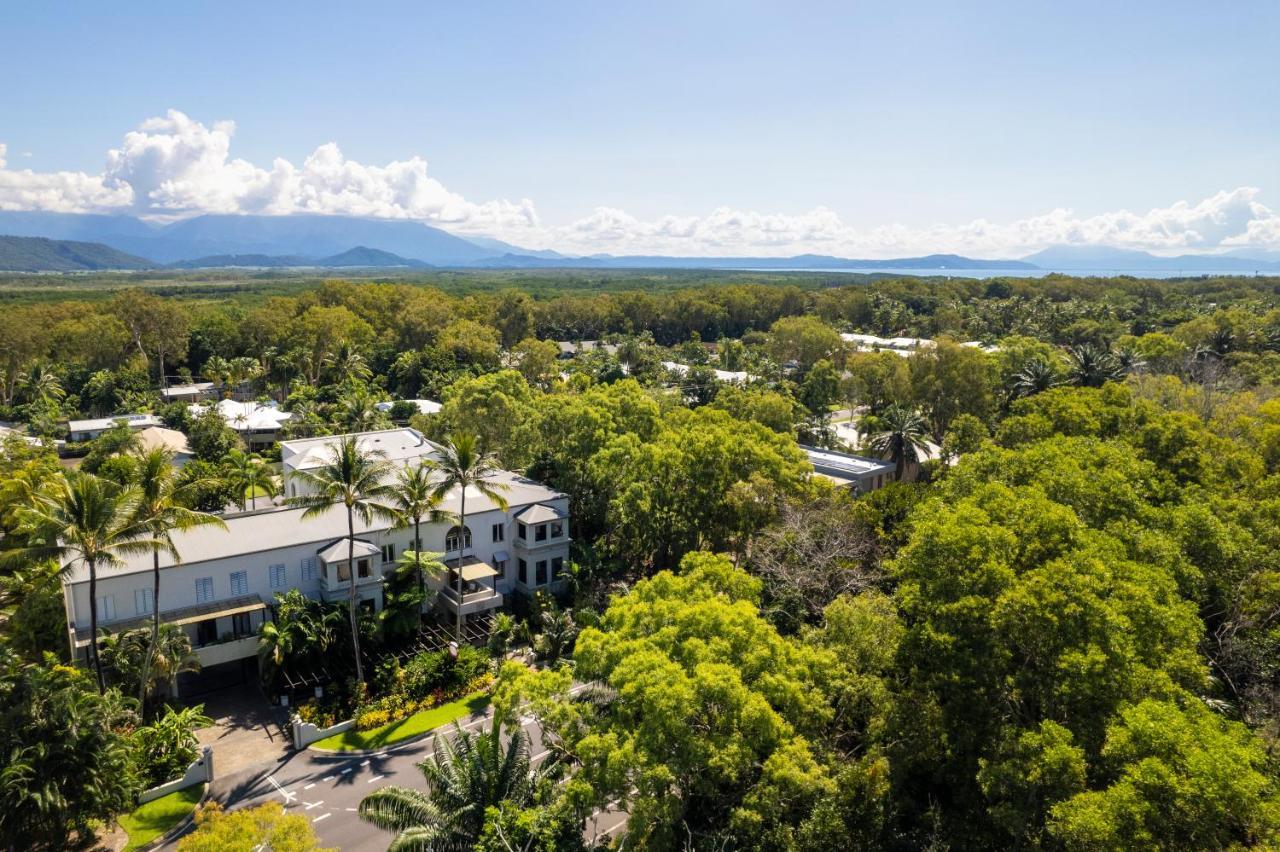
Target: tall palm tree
(79,517)
(162,509)
(355,479)
(462,465)
(902,436)
(42,385)
(467,774)
(248,474)
(416,499)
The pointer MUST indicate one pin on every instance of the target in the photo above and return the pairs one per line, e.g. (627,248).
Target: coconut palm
(467,774)
(162,508)
(248,474)
(355,479)
(81,518)
(901,438)
(416,499)
(463,464)
(358,412)
(41,385)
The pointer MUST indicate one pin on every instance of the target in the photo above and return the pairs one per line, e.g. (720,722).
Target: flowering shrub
(393,708)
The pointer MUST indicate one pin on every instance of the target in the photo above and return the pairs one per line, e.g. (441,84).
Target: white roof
(721,375)
(154,437)
(188,390)
(397,445)
(834,463)
(539,514)
(338,551)
(135,421)
(425,406)
(282,526)
(248,416)
(848,433)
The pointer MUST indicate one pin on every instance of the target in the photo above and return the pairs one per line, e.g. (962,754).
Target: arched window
(451,539)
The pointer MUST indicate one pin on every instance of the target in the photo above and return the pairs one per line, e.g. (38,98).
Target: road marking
(314,805)
(322,816)
(345,771)
(353,810)
(288,797)
(375,778)
(327,778)
(381,754)
(309,786)
(364,762)
(540,755)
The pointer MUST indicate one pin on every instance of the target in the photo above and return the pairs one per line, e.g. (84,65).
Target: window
(362,568)
(107,608)
(388,553)
(278,576)
(344,572)
(524,572)
(499,532)
(309,568)
(522,531)
(239,583)
(143,601)
(240,624)
(451,540)
(557,568)
(540,534)
(557,529)
(542,572)
(206,632)
(204,590)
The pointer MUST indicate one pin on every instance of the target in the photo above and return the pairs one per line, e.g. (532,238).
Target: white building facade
(222,588)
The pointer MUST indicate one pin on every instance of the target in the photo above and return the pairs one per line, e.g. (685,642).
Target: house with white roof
(190,392)
(424,406)
(847,470)
(730,376)
(257,423)
(223,584)
(87,430)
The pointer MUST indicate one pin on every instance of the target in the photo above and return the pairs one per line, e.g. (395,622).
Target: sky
(857,129)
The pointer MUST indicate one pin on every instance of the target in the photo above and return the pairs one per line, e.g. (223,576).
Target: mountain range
(224,240)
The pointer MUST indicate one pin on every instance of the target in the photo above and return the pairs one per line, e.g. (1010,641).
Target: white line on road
(375,778)
(288,797)
(322,816)
(364,762)
(381,754)
(327,778)
(540,755)
(353,810)
(309,786)
(311,805)
(345,771)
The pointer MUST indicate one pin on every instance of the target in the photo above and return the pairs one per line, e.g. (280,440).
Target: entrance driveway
(246,731)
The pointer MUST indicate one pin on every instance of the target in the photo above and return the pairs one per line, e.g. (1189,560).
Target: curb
(181,827)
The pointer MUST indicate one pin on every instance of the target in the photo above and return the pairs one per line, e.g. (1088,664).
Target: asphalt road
(327,787)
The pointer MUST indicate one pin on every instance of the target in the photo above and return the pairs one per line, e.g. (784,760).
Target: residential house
(191,392)
(850,471)
(258,423)
(87,430)
(158,437)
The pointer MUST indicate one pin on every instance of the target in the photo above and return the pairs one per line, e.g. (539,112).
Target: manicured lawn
(156,817)
(415,725)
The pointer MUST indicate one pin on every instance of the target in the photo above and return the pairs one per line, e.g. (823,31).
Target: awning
(477,571)
(180,616)
(501,556)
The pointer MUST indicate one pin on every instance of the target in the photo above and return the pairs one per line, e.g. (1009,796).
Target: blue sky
(874,128)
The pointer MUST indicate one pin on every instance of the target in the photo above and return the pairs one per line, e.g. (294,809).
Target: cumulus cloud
(174,166)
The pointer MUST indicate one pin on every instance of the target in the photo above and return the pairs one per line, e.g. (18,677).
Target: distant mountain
(1108,259)
(369,257)
(248,261)
(498,247)
(215,235)
(940,262)
(38,254)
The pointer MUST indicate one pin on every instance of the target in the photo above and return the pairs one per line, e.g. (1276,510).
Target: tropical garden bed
(413,726)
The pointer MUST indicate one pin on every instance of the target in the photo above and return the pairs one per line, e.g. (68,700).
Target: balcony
(335,568)
(478,592)
(228,651)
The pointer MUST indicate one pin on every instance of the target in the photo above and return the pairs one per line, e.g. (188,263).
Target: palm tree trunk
(417,560)
(351,600)
(155,630)
(462,545)
(93,626)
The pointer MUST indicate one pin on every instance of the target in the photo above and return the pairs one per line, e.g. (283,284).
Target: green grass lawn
(156,817)
(415,725)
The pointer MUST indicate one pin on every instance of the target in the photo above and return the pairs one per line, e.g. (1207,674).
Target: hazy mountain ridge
(40,254)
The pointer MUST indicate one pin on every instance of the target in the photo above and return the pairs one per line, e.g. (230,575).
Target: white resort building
(222,588)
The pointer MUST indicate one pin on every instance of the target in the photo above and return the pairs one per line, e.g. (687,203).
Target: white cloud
(173,166)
